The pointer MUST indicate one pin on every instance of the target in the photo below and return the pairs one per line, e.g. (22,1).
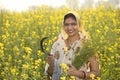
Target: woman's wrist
(77,73)
(80,74)
(50,70)
(84,74)
(51,64)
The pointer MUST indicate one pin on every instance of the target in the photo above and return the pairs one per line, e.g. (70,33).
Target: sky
(21,5)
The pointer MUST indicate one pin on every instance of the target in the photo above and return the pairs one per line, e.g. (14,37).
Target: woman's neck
(71,39)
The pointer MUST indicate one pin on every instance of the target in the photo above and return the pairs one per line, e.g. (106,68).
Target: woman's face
(71,27)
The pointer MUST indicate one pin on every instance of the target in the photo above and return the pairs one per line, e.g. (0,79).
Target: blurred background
(23,23)
(21,5)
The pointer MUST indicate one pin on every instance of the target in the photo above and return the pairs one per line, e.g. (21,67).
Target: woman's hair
(69,15)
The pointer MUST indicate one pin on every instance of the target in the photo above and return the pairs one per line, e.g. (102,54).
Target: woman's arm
(94,69)
(50,60)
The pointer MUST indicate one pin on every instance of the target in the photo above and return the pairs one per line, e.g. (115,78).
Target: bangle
(84,74)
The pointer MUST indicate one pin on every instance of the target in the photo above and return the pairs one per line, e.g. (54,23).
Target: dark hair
(69,15)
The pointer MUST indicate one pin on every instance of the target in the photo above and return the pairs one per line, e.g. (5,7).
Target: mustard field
(21,57)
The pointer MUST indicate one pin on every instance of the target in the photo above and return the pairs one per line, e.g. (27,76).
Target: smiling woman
(65,49)
(20,31)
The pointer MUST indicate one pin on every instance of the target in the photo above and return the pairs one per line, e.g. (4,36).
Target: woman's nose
(70,27)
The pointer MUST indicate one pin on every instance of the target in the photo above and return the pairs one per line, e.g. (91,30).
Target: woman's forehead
(70,20)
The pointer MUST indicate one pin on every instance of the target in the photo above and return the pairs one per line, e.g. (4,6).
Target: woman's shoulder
(94,57)
(59,40)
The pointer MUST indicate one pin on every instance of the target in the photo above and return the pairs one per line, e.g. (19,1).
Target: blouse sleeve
(53,49)
(55,45)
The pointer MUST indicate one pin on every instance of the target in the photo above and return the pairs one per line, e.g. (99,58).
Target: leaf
(84,54)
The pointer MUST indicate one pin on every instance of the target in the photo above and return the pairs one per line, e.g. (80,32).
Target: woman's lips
(70,31)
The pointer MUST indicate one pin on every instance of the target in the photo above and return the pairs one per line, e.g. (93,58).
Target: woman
(72,36)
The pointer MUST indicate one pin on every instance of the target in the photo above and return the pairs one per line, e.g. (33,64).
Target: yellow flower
(110,49)
(98,31)
(66,49)
(2,53)
(112,57)
(63,78)
(92,76)
(1,44)
(37,62)
(72,77)
(4,37)
(25,66)
(50,42)
(64,67)
(7,23)
(98,78)
(9,57)
(28,50)
(47,49)
(13,71)
(15,48)
(106,28)
(24,76)
(2,73)
(39,53)
(0,64)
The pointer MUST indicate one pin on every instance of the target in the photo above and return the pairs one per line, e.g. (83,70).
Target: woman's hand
(50,61)
(72,71)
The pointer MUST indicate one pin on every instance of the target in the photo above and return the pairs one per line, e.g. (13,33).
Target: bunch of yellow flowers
(64,75)
(92,76)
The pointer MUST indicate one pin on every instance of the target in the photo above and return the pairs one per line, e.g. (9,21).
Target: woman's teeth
(70,31)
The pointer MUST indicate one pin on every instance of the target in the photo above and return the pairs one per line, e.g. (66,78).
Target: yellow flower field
(20,33)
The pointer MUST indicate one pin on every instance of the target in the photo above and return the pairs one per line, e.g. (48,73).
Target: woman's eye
(73,24)
(68,24)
